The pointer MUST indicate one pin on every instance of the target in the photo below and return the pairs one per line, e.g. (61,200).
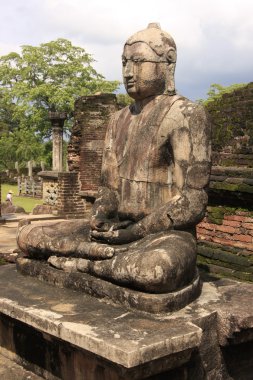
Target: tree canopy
(48,77)
(43,78)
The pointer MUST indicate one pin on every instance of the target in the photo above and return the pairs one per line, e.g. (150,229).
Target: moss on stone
(2,261)
(238,187)
(222,270)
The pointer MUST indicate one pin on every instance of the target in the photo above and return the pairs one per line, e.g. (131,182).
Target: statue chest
(142,152)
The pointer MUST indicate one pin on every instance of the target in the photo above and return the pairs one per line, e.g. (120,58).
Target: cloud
(214,38)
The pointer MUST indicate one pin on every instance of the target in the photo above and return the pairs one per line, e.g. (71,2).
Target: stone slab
(152,303)
(204,331)
(110,331)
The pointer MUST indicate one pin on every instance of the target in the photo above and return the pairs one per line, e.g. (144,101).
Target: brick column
(85,150)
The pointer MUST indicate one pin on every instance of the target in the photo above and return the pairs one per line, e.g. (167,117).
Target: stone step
(9,370)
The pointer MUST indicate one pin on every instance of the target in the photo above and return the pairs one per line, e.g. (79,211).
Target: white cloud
(214,38)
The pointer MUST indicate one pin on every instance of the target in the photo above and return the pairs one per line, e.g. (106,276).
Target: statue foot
(69,264)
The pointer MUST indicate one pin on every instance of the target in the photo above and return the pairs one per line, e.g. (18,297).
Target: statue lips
(130,83)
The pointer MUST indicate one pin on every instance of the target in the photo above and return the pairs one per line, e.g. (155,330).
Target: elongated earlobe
(171,79)
(171,57)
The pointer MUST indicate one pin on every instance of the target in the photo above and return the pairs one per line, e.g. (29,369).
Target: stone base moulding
(152,303)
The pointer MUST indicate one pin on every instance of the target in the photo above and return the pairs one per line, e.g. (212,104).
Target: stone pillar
(30,169)
(57,120)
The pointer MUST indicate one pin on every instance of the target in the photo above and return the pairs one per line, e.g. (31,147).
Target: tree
(48,77)
(22,145)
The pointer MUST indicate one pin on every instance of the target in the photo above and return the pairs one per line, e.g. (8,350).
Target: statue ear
(171,55)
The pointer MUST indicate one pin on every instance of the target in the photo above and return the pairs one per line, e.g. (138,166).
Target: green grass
(26,202)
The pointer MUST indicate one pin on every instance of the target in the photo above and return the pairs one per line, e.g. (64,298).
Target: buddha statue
(154,177)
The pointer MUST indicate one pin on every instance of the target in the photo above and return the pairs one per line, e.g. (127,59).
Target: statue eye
(124,61)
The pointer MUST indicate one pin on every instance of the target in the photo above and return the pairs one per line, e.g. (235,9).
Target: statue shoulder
(119,114)
(184,110)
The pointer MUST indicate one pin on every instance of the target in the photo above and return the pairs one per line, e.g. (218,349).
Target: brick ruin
(225,236)
(85,149)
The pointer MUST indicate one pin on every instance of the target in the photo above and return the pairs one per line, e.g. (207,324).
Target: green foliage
(48,77)
(124,100)
(20,145)
(216,91)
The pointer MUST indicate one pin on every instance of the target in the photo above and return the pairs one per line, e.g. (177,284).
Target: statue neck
(140,104)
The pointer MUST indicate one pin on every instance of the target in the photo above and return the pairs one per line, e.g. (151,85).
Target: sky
(214,37)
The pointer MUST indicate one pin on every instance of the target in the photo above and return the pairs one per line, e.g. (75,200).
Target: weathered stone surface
(57,120)
(102,341)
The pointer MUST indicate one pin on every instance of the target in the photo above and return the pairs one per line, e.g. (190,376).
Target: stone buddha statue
(154,176)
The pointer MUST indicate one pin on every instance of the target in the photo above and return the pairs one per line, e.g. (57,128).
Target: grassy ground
(26,202)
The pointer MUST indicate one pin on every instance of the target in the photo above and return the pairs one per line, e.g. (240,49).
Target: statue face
(144,72)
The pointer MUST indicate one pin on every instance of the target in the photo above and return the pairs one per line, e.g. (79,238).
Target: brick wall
(225,242)
(225,236)
(69,201)
(85,150)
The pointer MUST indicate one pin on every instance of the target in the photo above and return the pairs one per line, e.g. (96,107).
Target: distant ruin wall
(232,120)
(225,236)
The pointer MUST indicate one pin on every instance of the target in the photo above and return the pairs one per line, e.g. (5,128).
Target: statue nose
(128,69)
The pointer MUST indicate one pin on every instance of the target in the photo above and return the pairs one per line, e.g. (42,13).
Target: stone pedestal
(62,334)
(49,187)
(147,302)
(61,191)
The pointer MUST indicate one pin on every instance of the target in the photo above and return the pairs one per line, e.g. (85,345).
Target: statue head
(149,60)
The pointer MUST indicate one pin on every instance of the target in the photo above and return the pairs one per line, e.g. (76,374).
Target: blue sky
(213,37)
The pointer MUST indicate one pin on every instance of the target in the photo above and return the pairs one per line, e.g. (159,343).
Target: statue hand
(117,236)
(108,225)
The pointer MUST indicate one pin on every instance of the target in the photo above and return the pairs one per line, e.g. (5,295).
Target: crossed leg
(158,263)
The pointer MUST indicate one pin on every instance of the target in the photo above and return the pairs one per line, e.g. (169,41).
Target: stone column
(57,120)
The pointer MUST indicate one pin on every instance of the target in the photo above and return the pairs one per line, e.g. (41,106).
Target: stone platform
(64,334)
